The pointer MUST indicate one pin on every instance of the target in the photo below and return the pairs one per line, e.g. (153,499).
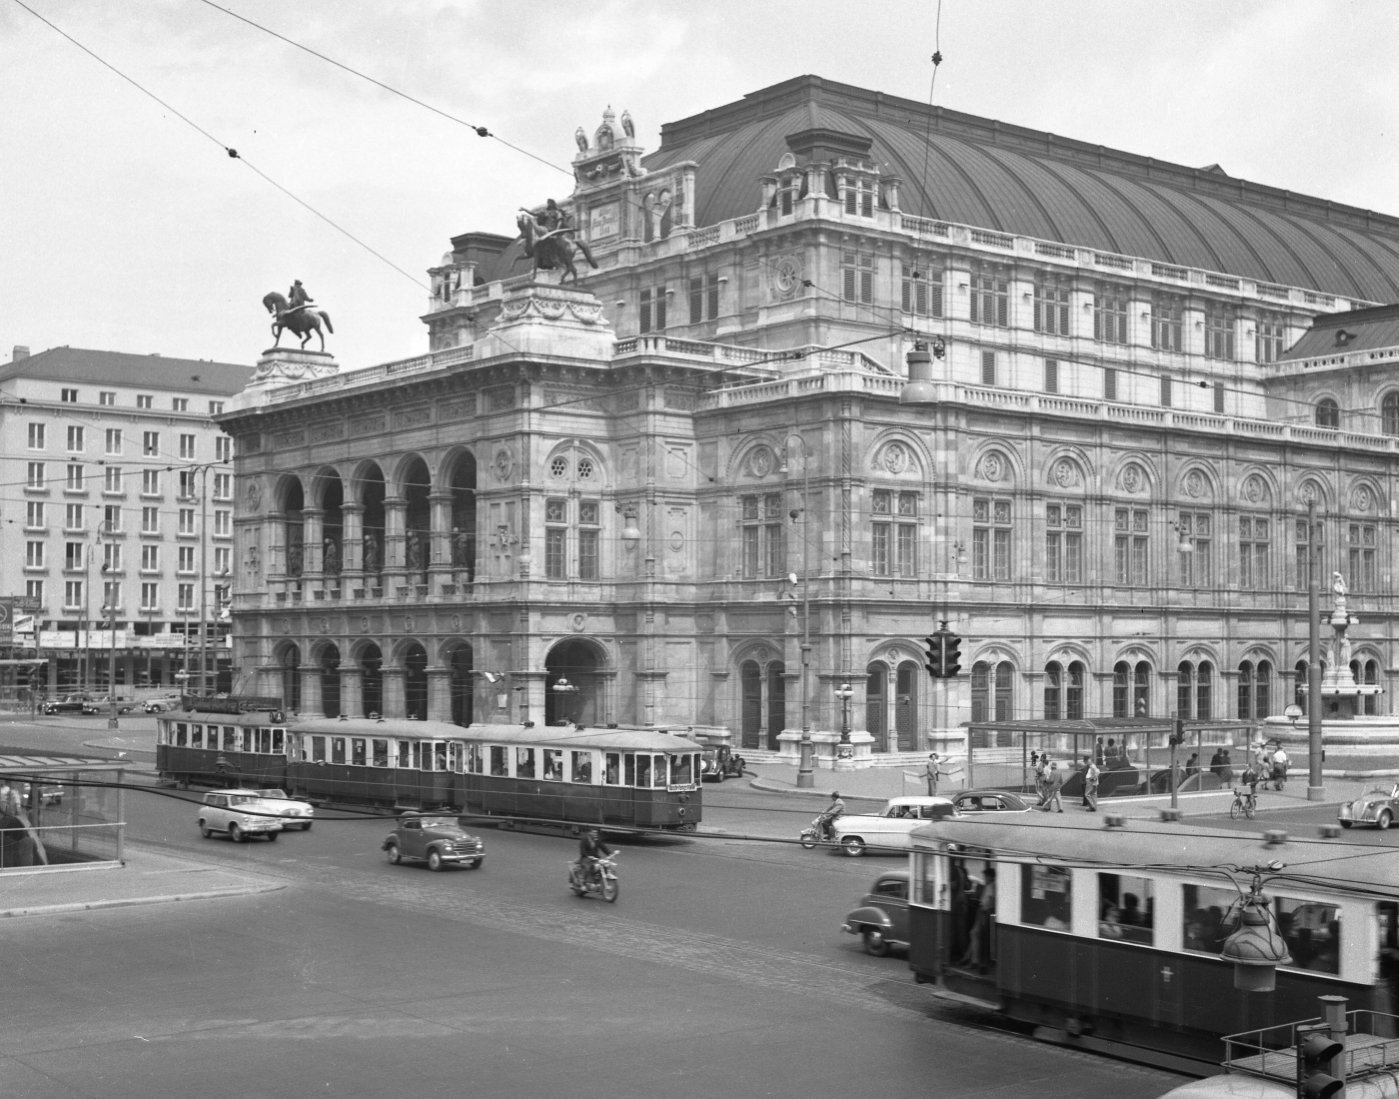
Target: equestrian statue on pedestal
(550,240)
(297,312)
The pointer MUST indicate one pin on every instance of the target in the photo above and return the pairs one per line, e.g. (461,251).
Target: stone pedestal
(826,749)
(542,318)
(282,366)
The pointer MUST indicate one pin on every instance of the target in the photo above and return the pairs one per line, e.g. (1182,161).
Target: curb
(166,898)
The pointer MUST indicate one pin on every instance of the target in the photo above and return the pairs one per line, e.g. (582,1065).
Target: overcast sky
(123,228)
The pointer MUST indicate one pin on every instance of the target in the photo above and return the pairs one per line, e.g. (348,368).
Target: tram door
(971,949)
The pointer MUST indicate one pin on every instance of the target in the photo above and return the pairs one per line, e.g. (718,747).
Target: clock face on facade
(787,277)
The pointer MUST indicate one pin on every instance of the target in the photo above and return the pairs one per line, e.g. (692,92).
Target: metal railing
(1372,1046)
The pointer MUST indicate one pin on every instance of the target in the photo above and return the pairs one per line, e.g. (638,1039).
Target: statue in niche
(371,553)
(296,557)
(251,562)
(415,550)
(330,556)
(461,548)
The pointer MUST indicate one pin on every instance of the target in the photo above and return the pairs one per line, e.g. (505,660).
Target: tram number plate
(681,789)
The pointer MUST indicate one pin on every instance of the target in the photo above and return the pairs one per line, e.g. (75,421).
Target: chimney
(21,352)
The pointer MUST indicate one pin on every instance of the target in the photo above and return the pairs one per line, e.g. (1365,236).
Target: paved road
(720,971)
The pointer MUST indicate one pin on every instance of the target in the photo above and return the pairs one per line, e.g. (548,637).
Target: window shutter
(1109,384)
(1001,318)
(696,300)
(866,287)
(988,368)
(645,311)
(1165,391)
(1051,375)
(713,297)
(660,310)
(848,278)
(1219,397)
(908,296)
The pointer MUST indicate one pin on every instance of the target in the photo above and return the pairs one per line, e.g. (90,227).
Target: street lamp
(564,690)
(109,593)
(806,777)
(920,388)
(846,750)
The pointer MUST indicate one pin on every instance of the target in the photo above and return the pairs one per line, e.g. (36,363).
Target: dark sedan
(972,802)
(881,921)
(69,704)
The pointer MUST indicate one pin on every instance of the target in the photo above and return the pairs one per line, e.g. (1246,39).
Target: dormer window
(1343,337)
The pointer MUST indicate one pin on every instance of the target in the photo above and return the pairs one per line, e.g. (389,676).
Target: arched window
(1328,413)
(1389,414)
(1141,690)
(981,690)
(1073,695)
(1184,676)
(1246,690)
(1203,689)
(1121,688)
(751,684)
(1263,691)
(1053,691)
(1299,685)
(1005,691)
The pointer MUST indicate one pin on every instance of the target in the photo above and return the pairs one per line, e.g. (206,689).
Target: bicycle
(1245,804)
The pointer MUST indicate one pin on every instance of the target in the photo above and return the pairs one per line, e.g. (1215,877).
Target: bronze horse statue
(551,248)
(301,322)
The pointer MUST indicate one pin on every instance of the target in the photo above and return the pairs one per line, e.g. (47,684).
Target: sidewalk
(147,878)
(879,784)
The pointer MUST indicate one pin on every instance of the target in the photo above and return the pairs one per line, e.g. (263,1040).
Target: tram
(639,778)
(1108,938)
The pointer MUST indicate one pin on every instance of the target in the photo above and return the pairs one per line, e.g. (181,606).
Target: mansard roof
(1015,180)
(77,364)
(1341,333)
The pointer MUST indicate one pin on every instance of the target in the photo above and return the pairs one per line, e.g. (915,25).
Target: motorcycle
(817,832)
(603,878)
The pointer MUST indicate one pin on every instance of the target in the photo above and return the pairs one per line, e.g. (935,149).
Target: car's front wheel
(393,854)
(1384,820)
(272,836)
(1347,823)
(875,942)
(475,864)
(235,833)
(853,846)
(306,827)
(435,862)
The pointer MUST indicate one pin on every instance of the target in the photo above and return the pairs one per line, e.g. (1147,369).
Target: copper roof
(988,174)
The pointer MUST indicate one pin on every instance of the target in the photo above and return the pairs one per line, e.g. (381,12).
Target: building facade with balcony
(118,511)
(667,482)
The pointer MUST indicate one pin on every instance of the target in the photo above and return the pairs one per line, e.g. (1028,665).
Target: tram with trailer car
(1108,938)
(223,742)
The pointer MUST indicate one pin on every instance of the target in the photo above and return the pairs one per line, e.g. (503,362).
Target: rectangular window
(1195,566)
(73,517)
(1360,550)
(358,754)
(72,594)
(34,555)
(1109,384)
(215,408)
(187,521)
(150,482)
(1165,391)
(37,437)
(500,761)
(988,368)
(991,530)
(111,479)
(1312,931)
(555,539)
(34,514)
(1271,339)
(111,557)
(1051,375)
(106,397)
(111,596)
(223,486)
(113,442)
(1131,534)
(150,444)
(74,555)
(186,559)
(764,549)
(337,749)
(144,400)
(150,520)
(1302,549)
(704,298)
(150,596)
(653,310)
(1046,896)
(990,304)
(857,278)
(223,449)
(1167,323)
(186,597)
(34,589)
(68,396)
(77,437)
(552,764)
(1110,314)
(1051,309)
(188,481)
(34,477)
(179,404)
(187,446)
(1219,334)
(922,289)
(76,481)
(223,524)
(1126,909)
(894,533)
(223,560)
(1063,544)
(1255,544)
(580,767)
(150,558)
(524,763)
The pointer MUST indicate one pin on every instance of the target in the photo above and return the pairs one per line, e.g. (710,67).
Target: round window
(559,467)
(585,469)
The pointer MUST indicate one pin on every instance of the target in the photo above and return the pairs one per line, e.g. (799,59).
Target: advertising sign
(10,607)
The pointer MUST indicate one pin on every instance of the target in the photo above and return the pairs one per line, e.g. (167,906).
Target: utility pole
(1315,790)
(203,580)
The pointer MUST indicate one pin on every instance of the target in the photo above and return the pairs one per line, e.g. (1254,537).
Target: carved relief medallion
(1132,479)
(993,467)
(896,458)
(504,464)
(1254,489)
(1065,473)
(760,462)
(1194,484)
(1362,499)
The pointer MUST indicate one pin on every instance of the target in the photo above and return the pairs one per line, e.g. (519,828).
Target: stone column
(395,700)
(311,690)
(276,527)
(439,694)
(439,547)
(351,690)
(352,549)
(312,532)
(395,540)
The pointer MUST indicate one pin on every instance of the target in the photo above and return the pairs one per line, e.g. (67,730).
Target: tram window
(500,764)
(230,738)
(381,752)
(278,738)
(643,770)
(612,768)
(927,879)
(181,734)
(337,749)
(405,753)
(318,749)
(658,773)
(264,741)
(473,759)
(439,755)
(553,764)
(1046,896)
(1126,909)
(248,740)
(196,736)
(1313,933)
(357,755)
(422,761)
(454,756)
(524,763)
(682,768)
(1207,917)
(582,767)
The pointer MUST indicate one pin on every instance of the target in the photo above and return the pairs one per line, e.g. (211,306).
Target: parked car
(296,812)
(67,704)
(881,921)
(438,840)
(103,705)
(1377,806)
(242,814)
(157,705)
(970,802)
(890,828)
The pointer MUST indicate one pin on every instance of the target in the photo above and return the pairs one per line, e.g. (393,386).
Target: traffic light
(1178,732)
(951,655)
(1315,1051)
(932,655)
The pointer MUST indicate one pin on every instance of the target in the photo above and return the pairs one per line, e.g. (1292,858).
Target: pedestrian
(1192,765)
(1090,785)
(930,772)
(1279,768)
(1053,784)
(1041,771)
(1098,751)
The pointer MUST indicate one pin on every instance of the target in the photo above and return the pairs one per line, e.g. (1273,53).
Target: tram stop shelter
(59,812)
(1132,753)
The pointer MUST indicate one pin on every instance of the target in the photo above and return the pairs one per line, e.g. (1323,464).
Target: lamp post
(806,777)
(1315,790)
(845,752)
(563,691)
(109,593)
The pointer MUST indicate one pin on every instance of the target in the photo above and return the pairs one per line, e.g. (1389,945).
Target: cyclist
(1246,797)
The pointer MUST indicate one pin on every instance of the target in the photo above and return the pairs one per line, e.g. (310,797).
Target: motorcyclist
(830,814)
(590,849)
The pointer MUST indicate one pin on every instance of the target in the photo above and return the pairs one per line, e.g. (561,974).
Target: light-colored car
(1377,806)
(240,813)
(889,829)
(296,813)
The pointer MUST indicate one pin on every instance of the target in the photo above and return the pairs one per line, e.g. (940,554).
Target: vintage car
(242,814)
(890,828)
(157,705)
(296,813)
(68,704)
(437,839)
(881,921)
(717,764)
(103,704)
(971,802)
(1377,806)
